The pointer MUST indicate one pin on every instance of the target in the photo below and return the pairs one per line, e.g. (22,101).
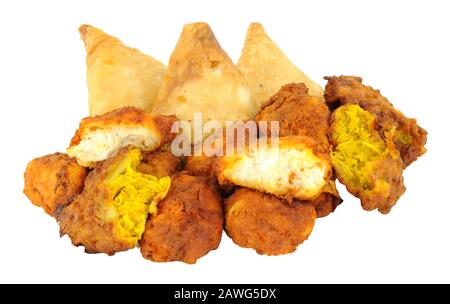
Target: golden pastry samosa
(202,78)
(266,68)
(118,75)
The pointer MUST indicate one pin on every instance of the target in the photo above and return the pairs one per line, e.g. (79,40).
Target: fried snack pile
(122,185)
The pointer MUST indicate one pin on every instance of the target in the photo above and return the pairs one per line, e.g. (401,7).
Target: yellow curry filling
(135,196)
(358,148)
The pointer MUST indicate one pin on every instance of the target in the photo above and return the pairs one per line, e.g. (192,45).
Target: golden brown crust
(266,223)
(228,174)
(188,224)
(159,163)
(409,138)
(327,201)
(53,181)
(127,116)
(87,219)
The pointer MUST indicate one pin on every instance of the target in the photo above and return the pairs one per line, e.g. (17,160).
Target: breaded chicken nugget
(370,168)
(291,170)
(53,181)
(188,224)
(267,224)
(159,163)
(100,137)
(409,138)
(301,114)
(110,215)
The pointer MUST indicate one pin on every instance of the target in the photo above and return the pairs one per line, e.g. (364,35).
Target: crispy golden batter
(118,75)
(409,138)
(53,181)
(201,166)
(298,114)
(159,163)
(267,224)
(327,201)
(188,224)
(291,170)
(301,114)
(100,137)
(110,215)
(370,167)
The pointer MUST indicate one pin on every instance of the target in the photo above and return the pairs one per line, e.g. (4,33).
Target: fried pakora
(370,167)
(267,224)
(299,113)
(100,137)
(159,163)
(409,138)
(110,215)
(53,181)
(290,169)
(188,224)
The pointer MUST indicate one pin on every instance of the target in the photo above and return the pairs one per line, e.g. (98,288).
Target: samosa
(201,78)
(117,75)
(266,68)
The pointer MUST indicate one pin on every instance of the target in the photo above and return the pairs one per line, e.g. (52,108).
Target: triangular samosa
(201,78)
(266,68)
(117,75)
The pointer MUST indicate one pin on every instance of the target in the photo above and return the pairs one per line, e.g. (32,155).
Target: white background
(401,47)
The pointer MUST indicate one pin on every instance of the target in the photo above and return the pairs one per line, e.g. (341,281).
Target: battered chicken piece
(267,224)
(53,181)
(188,224)
(100,137)
(110,215)
(301,114)
(291,170)
(159,163)
(201,166)
(370,167)
(409,138)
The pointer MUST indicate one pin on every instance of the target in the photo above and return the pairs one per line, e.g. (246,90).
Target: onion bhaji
(370,167)
(110,215)
(188,223)
(53,181)
(409,138)
(100,137)
(267,224)
(301,114)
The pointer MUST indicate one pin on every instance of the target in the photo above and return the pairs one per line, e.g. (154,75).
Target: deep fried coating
(159,163)
(370,168)
(327,201)
(53,181)
(298,114)
(301,114)
(188,224)
(201,165)
(291,170)
(267,224)
(110,215)
(100,137)
(409,138)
